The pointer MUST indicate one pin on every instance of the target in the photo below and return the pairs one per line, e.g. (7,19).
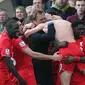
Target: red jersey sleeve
(19,43)
(6,48)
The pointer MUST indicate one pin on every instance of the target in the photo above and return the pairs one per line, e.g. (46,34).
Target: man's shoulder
(4,36)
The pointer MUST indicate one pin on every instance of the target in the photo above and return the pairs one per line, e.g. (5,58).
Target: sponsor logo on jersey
(22,44)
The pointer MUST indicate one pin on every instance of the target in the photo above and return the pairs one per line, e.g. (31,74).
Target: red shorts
(66,67)
(27,75)
(72,50)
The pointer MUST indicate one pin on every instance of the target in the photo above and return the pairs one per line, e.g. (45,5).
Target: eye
(78,5)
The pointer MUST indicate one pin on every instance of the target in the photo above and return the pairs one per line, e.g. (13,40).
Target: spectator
(49,3)
(71,3)
(20,14)
(61,8)
(80,14)
(28,10)
(38,4)
(3,19)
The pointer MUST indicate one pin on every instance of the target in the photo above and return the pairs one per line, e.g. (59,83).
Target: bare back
(64,31)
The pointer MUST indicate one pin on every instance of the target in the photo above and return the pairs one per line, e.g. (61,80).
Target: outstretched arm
(41,56)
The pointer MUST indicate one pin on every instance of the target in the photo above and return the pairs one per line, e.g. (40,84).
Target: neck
(1,25)
(80,15)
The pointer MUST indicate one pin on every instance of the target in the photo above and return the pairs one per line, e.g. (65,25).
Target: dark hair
(78,0)
(78,24)
(12,27)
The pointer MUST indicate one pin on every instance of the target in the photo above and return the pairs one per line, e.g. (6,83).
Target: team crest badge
(7,51)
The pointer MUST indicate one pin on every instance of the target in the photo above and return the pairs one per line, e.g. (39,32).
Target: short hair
(78,24)
(11,25)
(28,7)
(4,10)
(35,12)
(78,0)
(21,8)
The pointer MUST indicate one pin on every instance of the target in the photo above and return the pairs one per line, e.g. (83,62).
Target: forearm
(79,59)
(34,30)
(41,56)
(37,55)
(53,50)
(11,67)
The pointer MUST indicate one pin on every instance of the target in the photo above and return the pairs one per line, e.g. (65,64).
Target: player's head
(78,29)
(12,28)
(38,16)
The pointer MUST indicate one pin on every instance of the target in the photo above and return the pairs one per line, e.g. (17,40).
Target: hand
(69,60)
(26,33)
(48,16)
(57,57)
(55,17)
(45,29)
(22,81)
(27,26)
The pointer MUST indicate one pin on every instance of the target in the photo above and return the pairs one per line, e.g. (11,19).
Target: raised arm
(39,27)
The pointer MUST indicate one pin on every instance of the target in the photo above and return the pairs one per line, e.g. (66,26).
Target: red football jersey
(22,59)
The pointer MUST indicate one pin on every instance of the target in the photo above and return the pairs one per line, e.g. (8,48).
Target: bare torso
(64,31)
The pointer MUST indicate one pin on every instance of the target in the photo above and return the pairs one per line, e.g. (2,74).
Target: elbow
(32,53)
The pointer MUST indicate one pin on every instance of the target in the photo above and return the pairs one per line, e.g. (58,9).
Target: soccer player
(6,51)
